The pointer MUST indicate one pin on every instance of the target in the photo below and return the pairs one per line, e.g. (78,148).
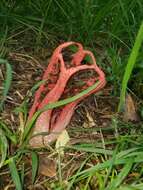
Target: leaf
(14,174)
(130,65)
(7,82)
(90,121)
(22,173)
(91,148)
(47,166)
(130,110)
(34,166)
(36,86)
(8,133)
(62,140)
(3,147)
(127,188)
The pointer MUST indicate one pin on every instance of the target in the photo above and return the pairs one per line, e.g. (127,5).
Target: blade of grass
(9,134)
(3,41)
(36,86)
(127,188)
(79,170)
(91,148)
(3,147)
(126,19)
(7,82)
(111,167)
(130,65)
(23,107)
(42,23)
(54,105)
(87,183)
(124,172)
(15,175)
(22,173)
(106,164)
(34,166)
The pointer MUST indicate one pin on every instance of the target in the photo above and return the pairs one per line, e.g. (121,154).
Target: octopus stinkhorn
(58,77)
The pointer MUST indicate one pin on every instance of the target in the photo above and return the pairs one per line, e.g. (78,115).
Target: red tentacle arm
(58,77)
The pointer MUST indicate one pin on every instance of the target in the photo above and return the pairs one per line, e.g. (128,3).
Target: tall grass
(82,20)
(109,25)
(130,65)
(7,82)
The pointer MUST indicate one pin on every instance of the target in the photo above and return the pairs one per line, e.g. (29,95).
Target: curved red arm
(57,75)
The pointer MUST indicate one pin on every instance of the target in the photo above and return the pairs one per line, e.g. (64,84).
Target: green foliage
(130,65)
(79,20)
(34,166)
(8,133)
(14,174)
(111,25)
(121,176)
(7,81)
(3,147)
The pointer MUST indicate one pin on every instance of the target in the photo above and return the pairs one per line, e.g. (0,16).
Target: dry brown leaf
(130,113)
(47,166)
(90,121)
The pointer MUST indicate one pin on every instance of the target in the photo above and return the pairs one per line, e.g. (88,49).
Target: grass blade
(119,160)
(7,82)
(54,105)
(8,133)
(127,188)
(130,65)
(92,149)
(22,173)
(34,166)
(36,86)
(15,175)
(3,147)
(79,170)
(111,166)
(124,172)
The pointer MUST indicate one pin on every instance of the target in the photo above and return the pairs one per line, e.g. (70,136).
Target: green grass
(112,170)
(130,65)
(113,30)
(80,20)
(112,25)
(14,174)
(7,81)
(3,147)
